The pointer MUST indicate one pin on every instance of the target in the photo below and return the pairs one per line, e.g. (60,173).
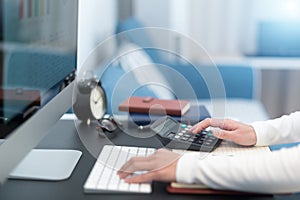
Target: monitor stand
(47,164)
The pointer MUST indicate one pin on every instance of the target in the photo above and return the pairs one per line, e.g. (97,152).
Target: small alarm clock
(89,99)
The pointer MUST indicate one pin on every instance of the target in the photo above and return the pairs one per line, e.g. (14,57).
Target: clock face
(97,102)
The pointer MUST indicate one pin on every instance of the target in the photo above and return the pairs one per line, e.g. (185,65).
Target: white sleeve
(271,172)
(281,130)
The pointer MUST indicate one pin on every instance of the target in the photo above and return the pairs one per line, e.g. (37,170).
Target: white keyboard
(104,179)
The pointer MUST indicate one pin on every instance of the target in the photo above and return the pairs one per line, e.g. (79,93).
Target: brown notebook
(20,96)
(155,106)
(202,189)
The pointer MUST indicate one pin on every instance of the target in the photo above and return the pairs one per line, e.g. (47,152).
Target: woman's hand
(160,166)
(228,129)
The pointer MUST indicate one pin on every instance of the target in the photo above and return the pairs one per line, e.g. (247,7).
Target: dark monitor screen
(38,45)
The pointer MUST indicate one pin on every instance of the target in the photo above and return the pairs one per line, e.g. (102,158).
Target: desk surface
(64,135)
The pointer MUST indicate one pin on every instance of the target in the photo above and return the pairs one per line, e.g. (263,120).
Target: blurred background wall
(262,33)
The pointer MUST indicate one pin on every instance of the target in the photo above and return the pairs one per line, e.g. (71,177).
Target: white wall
(228,28)
(153,12)
(223,27)
(217,25)
(168,14)
(97,21)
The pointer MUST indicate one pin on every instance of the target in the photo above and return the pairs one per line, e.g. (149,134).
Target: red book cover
(20,96)
(208,191)
(155,106)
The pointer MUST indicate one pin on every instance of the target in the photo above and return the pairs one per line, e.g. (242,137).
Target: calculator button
(183,125)
(184,138)
(199,142)
(191,140)
(177,136)
(180,134)
(171,135)
(210,134)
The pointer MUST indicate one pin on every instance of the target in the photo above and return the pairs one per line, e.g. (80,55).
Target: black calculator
(176,135)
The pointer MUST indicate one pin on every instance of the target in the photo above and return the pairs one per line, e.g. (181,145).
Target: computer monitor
(38,52)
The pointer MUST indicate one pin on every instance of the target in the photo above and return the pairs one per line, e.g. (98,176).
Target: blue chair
(239,81)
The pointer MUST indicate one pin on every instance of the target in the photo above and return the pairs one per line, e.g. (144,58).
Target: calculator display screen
(166,126)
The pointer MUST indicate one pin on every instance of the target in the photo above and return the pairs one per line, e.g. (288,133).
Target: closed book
(150,105)
(178,188)
(208,191)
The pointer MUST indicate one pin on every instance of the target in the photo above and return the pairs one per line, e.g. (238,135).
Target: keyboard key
(145,187)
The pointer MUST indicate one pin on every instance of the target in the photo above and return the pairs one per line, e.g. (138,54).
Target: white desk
(244,110)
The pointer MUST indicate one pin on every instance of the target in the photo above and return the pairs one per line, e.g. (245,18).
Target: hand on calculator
(228,129)
(179,136)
